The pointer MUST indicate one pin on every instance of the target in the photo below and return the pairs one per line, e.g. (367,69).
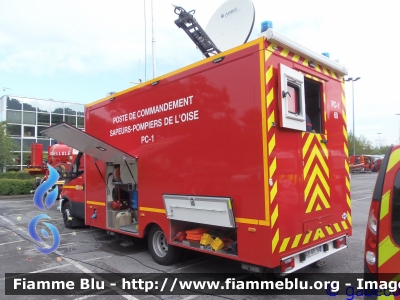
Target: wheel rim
(160,244)
(66,215)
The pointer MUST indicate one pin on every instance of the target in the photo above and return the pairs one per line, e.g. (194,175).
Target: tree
(363,146)
(6,146)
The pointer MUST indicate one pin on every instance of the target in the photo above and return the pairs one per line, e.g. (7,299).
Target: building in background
(27,116)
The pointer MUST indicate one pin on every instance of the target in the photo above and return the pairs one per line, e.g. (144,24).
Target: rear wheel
(161,252)
(66,212)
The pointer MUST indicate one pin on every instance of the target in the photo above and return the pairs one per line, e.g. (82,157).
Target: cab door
(388,256)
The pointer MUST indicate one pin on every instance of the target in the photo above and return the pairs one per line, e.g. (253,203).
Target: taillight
(287,264)
(340,242)
(371,237)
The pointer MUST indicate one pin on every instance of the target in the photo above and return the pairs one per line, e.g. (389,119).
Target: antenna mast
(188,23)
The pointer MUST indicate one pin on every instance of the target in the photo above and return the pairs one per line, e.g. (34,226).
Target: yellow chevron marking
(296,241)
(271,119)
(346,151)
(393,159)
(271,47)
(386,250)
(274,216)
(270,96)
(325,71)
(323,147)
(318,208)
(284,52)
(337,227)
(317,192)
(271,144)
(319,234)
(325,116)
(307,237)
(307,143)
(317,68)
(344,117)
(295,58)
(385,205)
(348,201)
(316,153)
(284,244)
(267,53)
(275,240)
(316,172)
(272,167)
(346,164)
(334,75)
(345,132)
(305,62)
(343,100)
(329,230)
(344,225)
(349,218)
(269,74)
(273,192)
(348,184)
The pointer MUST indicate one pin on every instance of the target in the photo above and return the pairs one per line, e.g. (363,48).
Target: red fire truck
(60,156)
(382,241)
(215,157)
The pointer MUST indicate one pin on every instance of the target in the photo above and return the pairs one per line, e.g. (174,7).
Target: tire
(161,252)
(66,212)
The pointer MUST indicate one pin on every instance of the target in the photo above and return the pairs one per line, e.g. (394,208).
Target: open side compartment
(209,238)
(202,222)
(121,174)
(122,195)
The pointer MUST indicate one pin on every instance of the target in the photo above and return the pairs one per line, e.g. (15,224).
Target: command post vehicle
(382,241)
(220,147)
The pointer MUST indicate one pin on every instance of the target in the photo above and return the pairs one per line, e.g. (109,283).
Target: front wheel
(161,252)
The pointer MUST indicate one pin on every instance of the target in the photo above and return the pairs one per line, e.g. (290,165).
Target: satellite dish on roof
(231,24)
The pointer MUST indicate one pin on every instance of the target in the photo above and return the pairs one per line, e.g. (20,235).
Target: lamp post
(399,126)
(379,141)
(354,134)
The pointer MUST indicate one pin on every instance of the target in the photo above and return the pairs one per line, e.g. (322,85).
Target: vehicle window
(396,210)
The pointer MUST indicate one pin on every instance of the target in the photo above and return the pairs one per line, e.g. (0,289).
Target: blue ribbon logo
(49,199)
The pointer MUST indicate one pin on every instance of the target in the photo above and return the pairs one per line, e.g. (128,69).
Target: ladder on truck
(188,23)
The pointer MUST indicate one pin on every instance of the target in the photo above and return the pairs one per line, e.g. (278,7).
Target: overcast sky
(79,51)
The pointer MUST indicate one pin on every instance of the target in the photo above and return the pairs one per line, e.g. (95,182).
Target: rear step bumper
(301,260)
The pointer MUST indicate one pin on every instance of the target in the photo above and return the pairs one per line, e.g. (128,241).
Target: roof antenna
(188,23)
(230,26)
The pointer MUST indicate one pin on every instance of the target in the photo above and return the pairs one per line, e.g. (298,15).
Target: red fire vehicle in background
(361,163)
(382,241)
(215,157)
(59,156)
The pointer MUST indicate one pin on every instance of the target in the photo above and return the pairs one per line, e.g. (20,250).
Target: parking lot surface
(90,250)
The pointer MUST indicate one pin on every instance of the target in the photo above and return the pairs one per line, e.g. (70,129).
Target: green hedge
(10,187)
(17,175)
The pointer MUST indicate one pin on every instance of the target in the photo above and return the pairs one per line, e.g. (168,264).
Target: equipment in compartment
(120,199)
(123,219)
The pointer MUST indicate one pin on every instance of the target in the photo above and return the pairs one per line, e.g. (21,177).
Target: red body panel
(217,133)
